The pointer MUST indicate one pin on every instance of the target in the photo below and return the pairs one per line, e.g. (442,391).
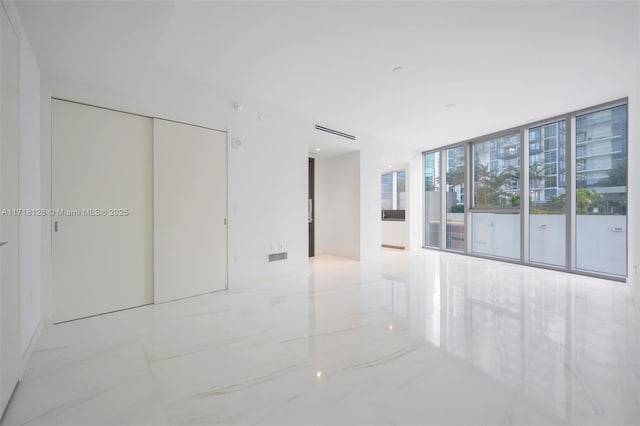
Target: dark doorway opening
(311,207)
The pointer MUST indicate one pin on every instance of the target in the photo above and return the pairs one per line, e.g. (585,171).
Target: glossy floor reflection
(419,338)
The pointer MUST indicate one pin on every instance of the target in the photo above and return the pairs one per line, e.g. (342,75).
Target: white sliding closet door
(190,198)
(10,364)
(102,192)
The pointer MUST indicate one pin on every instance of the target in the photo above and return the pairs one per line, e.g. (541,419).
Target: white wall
(414,214)
(267,177)
(30,227)
(633,177)
(337,194)
(370,199)
(395,233)
(46,274)
(29,169)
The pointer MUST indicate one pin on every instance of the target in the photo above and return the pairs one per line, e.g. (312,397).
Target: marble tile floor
(420,338)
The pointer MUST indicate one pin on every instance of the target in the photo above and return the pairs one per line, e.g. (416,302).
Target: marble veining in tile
(419,338)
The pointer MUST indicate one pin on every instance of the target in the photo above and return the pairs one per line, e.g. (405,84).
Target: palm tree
(536,174)
(482,179)
(455,177)
(490,186)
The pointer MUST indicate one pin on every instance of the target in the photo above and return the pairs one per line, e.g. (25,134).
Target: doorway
(311,208)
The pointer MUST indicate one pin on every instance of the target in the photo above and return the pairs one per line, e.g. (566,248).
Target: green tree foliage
(536,173)
(586,201)
(455,177)
(555,204)
(496,189)
(536,177)
(618,175)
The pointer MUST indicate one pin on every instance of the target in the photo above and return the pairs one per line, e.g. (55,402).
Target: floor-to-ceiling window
(551,193)
(455,158)
(547,190)
(601,191)
(432,199)
(495,218)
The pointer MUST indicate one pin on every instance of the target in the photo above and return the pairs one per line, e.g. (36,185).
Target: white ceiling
(499,63)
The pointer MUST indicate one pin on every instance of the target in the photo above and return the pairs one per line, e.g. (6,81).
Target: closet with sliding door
(140,207)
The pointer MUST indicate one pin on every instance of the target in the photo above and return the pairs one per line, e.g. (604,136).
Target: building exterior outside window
(586,233)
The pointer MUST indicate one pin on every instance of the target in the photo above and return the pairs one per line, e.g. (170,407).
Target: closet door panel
(190,208)
(102,194)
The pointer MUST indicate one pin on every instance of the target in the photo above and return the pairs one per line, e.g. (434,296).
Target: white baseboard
(32,343)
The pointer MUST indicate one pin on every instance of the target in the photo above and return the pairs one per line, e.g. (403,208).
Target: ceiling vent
(335,132)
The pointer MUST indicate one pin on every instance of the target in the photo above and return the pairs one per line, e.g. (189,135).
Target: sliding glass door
(547,190)
(601,191)
(432,199)
(455,197)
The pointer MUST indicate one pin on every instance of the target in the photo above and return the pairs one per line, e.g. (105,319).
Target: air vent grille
(335,132)
(273,257)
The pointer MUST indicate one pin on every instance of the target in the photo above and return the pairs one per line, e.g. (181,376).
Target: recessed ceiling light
(319,374)
(389,166)
(397,69)
(318,149)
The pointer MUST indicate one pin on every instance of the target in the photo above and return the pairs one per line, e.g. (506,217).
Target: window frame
(570,174)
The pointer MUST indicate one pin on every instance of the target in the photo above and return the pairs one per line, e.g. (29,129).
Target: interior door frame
(312,208)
